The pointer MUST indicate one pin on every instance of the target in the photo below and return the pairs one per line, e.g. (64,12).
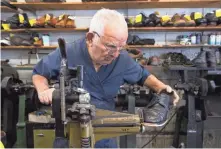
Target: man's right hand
(45,96)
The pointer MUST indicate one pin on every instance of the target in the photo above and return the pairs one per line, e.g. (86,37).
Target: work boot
(211,18)
(178,21)
(198,18)
(211,59)
(156,112)
(200,60)
(166,21)
(188,20)
(70,22)
(13,21)
(155,19)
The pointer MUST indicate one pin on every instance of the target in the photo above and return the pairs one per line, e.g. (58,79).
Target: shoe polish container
(212,39)
(193,38)
(218,39)
(205,39)
(46,40)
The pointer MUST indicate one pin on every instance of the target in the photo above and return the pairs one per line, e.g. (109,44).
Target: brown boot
(48,19)
(62,21)
(38,42)
(188,20)
(70,22)
(40,22)
(177,21)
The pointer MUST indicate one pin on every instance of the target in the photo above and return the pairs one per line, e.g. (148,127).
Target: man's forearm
(40,83)
(155,84)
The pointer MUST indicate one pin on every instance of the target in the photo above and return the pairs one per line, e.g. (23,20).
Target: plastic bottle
(193,38)
(218,39)
(212,39)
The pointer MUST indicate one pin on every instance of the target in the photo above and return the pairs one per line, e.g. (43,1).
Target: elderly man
(106,66)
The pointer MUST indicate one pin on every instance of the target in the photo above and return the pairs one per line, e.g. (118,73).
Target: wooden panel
(119,5)
(27,47)
(131,46)
(146,29)
(217,28)
(45,30)
(7,9)
(173,46)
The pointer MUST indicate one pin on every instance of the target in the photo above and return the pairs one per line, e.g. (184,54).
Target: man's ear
(89,37)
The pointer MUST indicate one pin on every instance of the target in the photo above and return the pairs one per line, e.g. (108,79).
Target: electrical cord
(161,129)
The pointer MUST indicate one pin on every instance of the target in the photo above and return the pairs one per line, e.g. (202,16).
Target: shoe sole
(170,113)
(155,125)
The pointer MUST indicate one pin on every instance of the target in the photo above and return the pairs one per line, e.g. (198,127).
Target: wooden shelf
(7,9)
(137,29)
(118,5)
(27,47)
(173,46)
(130,46)
(46,30)
(174,29)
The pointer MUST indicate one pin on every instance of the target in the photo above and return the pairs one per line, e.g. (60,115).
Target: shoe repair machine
(80,124)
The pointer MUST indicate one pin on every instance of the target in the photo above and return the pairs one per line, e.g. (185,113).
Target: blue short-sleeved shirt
(102,85)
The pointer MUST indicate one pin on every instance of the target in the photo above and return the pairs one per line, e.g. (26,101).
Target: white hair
(104,17)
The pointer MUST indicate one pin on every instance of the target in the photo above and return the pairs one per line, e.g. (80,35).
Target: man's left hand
(174,95)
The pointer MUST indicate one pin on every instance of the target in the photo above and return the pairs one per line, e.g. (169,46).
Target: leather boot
(200,60)
(40,22)
(178,21)
(211,59)
(188,20)
(70,22)
(211,18)
(198,18)
(156,112)
(62,21)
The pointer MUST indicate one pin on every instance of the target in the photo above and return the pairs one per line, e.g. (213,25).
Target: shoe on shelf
(166,21)
(218,15)
(62,21)
(188,20)
(198,18)
(50,21)
(178,21)
(70,22)
(155,18)
(13,21)
(157,111)
(135,53)
(200,60)
(211,18)
(40,22)
(24,21)
(211,58)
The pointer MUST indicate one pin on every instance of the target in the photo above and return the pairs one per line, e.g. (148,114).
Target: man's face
(105,48)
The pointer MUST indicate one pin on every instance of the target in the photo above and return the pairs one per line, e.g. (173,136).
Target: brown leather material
(177,21)
(62,22)
(38,43)
(188,22)
(41,21)
(70,23)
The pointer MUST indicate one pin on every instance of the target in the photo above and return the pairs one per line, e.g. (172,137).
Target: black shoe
(156,112)
(200,60)
(13,21)
(211,59)
(199,20)
(211,18)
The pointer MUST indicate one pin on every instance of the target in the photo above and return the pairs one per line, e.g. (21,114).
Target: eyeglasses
(110,47)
